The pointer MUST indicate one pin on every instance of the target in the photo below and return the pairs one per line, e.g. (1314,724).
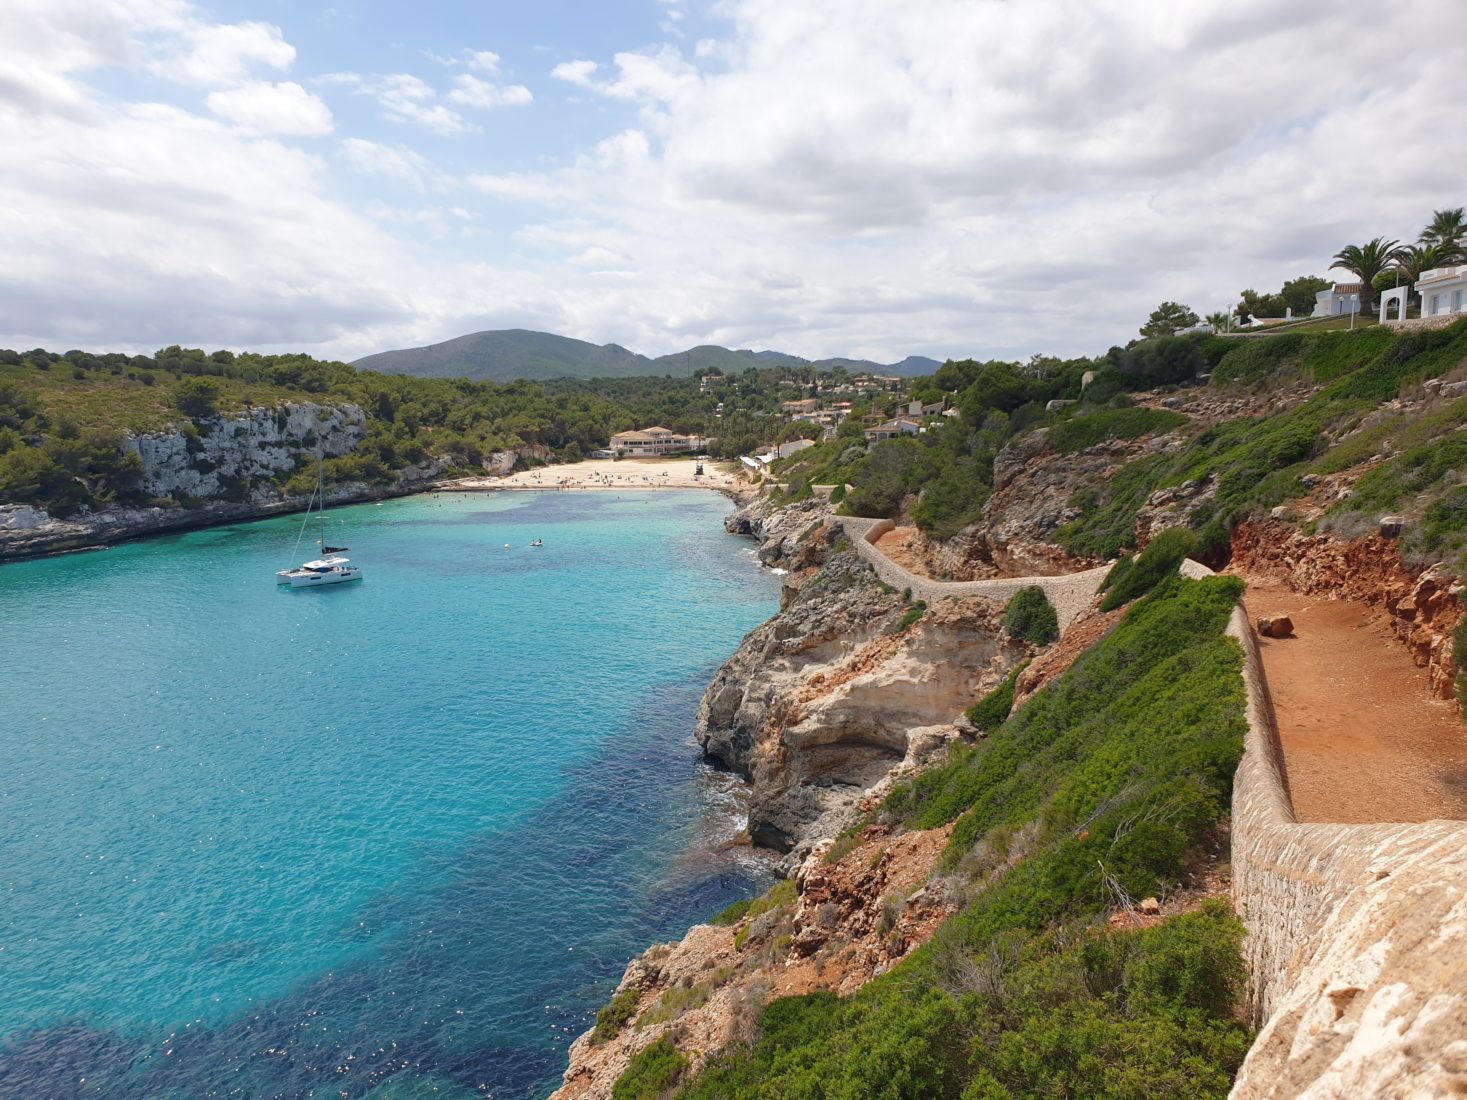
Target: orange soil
(1364,740)
(894,545)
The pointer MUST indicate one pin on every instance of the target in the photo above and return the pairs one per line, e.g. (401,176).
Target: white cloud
(394,162)
(949,177)
(656,76)
(485,61)
(273,109)
(221,54)
(579,73)
(470,91)
(406,98)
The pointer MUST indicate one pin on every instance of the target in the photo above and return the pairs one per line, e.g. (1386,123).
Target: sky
(951,178)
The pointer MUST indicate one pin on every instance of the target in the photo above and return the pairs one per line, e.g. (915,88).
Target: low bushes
(1136,576)
(653,1070)
(990,712)
(614,1015)
(1030,616)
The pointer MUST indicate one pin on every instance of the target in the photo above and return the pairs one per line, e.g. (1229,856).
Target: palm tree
(1447,231)
(1414,260)
(1221,321)
(1366,261)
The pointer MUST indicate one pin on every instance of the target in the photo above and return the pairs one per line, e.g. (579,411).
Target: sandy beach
(606,474)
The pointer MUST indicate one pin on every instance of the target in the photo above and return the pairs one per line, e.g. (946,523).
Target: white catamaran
(330,567)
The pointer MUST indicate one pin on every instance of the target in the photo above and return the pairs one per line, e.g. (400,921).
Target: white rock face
(22,517)
(253,446)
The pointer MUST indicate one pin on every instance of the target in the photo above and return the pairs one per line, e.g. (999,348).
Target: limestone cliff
(212,470)
(822,702)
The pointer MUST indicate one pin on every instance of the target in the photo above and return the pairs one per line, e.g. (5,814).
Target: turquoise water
(386,839)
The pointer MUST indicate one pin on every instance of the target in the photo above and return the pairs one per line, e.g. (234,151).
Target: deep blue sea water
(393,839)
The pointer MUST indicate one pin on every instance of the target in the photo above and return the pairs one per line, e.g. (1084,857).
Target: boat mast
(321,494)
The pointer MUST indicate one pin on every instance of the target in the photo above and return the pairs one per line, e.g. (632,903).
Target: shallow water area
(368,839)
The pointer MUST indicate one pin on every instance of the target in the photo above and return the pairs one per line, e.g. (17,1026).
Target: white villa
(1443,293)
(1339,300)
(893,428)
(653,441)
(1441,290)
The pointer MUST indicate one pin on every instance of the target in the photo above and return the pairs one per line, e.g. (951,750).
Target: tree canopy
(1168,319)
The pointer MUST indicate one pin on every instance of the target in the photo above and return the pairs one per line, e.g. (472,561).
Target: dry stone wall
(1357,936)
(1070,594)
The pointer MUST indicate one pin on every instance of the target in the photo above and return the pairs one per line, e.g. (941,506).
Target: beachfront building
(1340,300)
(653,441)
(760,463)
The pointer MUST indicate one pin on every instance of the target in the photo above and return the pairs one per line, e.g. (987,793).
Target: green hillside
(509,354)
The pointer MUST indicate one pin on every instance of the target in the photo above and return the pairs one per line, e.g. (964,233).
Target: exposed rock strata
(851,920)
(1422,606)
(221,470)
(824,700)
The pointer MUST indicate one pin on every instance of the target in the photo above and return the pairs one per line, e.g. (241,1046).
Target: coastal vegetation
(1030,617)
(1102,789)
(64,418)
(1342,416)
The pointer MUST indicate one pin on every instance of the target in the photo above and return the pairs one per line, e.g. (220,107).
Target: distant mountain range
(507,354)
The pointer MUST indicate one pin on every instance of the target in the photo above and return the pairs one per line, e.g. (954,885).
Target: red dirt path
(1363,738)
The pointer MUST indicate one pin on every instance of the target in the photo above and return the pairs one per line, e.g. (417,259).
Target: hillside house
(1443,290)
(893,428)
(653,441)
(1340,300)
(798,409)
(916,410)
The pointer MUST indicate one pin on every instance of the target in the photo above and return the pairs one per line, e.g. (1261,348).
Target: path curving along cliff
(1070,593)
(852,681)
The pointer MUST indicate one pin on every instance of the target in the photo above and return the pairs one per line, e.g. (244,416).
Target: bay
(386,839)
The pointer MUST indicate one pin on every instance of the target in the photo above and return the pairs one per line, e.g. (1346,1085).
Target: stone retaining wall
(1070,593)
(1357,935)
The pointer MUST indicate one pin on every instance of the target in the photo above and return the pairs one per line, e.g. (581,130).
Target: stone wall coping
(1070,593)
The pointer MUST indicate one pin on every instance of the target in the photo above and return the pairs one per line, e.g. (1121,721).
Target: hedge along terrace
(1097,791)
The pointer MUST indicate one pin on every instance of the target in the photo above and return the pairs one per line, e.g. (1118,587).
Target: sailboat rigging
(330,568)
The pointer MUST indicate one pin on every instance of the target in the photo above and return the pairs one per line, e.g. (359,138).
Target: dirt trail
(1364,740)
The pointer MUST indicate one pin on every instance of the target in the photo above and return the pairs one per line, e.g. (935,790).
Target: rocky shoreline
(819,710)
(201,473)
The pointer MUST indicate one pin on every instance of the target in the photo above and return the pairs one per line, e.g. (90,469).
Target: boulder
(1390,526)
(1149,906)
(1275,626)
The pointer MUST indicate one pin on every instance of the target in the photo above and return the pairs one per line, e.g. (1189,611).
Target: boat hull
(315,580)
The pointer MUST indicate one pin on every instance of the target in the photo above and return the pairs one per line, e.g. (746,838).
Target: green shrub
(782,893)
(651,1072)
(910,616)
(990,712)
(1030,616)
(614,1015)
(1161,558)
(196,396)
(1085,431)
(838,494)
(733,913)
